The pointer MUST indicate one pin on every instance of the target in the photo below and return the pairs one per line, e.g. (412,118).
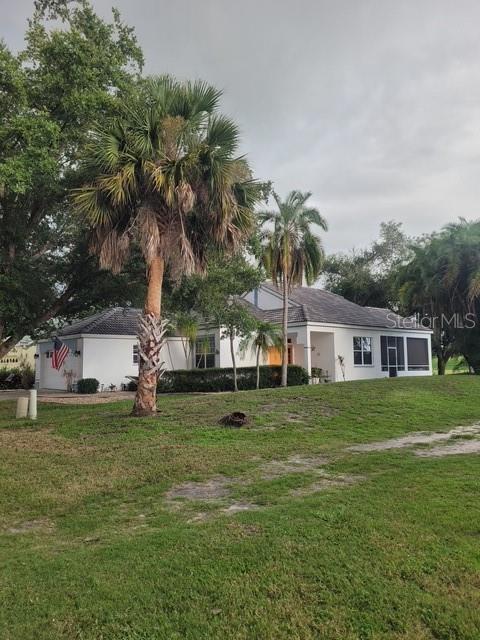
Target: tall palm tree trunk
(234,362)
(285,332)
(150,339)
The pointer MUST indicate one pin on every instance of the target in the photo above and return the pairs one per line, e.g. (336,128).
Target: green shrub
(22,377)
(203,380)
(10,379)
(87,385)
(132,385)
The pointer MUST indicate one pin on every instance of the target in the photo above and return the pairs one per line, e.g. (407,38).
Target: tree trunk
(7,345)
(258,367)
(285,332)
(146,396)
(234,364)
(441,365)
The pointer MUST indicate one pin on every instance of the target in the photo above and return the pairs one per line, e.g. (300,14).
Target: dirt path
(62,397)
(412,439)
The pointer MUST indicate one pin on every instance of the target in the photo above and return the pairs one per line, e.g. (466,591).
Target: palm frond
(166,171)
(315,217)
(291,250)
(89,201)
(222,135)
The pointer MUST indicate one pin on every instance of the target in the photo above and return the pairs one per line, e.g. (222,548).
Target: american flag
(60,352)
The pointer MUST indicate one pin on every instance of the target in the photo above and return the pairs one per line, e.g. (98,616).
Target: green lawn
(388,547)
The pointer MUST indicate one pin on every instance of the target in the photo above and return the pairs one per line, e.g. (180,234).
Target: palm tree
(291,251)
(165,174)
(264,336)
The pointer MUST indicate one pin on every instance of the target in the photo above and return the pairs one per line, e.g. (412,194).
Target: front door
(392,361)
(274,356)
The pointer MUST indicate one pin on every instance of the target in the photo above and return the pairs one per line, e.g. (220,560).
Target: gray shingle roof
(307,305)
(295,314)
(318,305)
(117,321)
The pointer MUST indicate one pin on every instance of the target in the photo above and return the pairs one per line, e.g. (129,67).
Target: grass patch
(288,533)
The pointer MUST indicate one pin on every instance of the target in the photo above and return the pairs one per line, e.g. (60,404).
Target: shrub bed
(203,380)
(17,378)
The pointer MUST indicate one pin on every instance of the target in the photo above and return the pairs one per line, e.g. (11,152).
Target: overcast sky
(374,106)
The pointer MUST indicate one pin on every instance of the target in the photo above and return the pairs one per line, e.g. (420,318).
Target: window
(417,353)
(136,358)
(362,351)
(393,353)
(205,352)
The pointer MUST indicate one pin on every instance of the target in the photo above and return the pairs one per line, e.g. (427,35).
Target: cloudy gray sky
(374,106)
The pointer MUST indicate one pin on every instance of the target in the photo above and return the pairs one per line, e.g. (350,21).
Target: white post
(22,407)
(308,352)
(32,405)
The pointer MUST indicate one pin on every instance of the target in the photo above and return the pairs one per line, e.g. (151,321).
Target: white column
(308,352)
(32,405)
(22,407)
(430,353)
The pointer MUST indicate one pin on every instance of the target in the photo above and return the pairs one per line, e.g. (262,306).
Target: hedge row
(202,380)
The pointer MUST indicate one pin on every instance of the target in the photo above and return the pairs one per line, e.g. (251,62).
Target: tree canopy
(441,283)
(68,77)
(367,276)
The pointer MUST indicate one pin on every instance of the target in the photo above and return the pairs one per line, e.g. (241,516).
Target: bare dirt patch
(413,439)
(460,447)
(217,491)
(230,510)
(238,507)
(40,525)
(325,483)
(293,464)
(294,417)
(91,398)
(213,489)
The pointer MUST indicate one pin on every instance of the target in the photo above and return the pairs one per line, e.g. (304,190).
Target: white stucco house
(337,338)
